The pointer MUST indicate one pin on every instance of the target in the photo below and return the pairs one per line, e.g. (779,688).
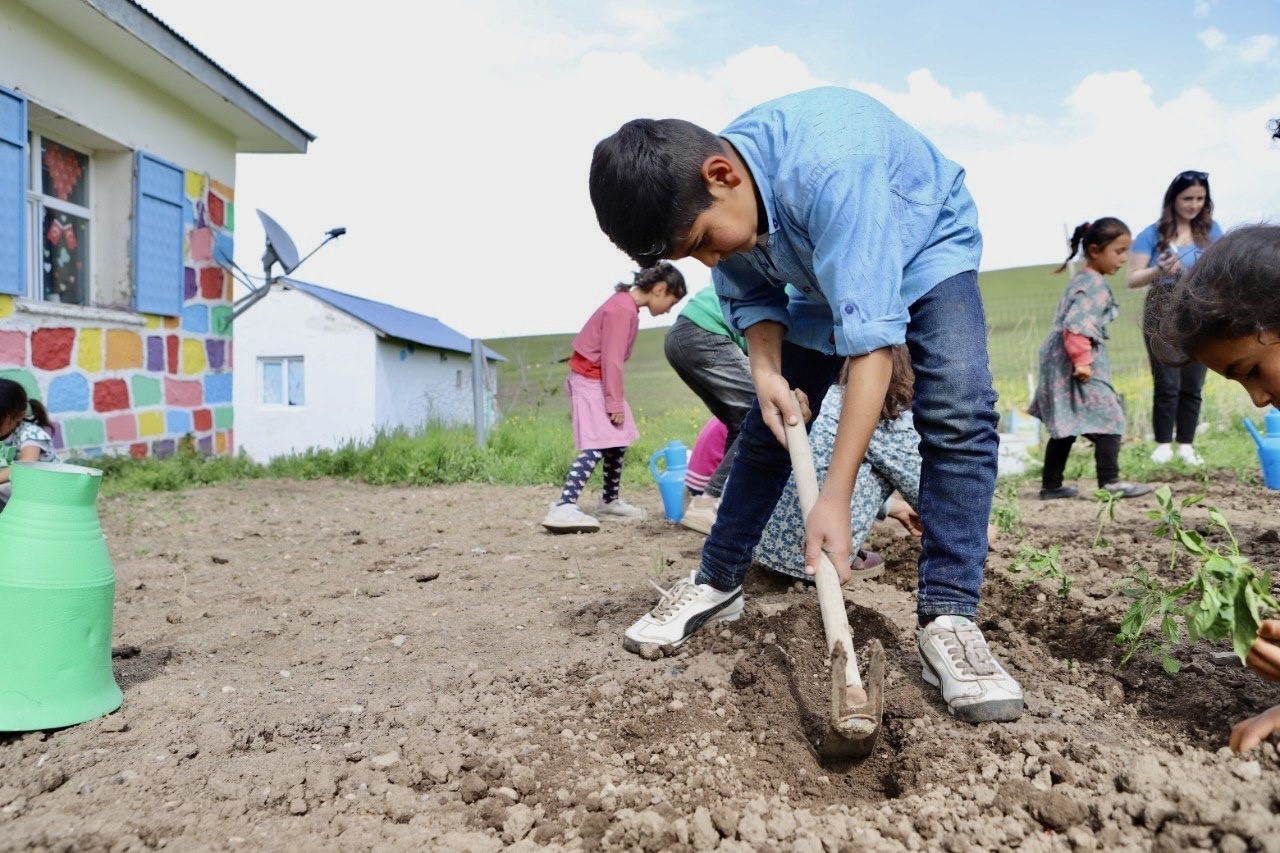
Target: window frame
(285,362)
(37,201)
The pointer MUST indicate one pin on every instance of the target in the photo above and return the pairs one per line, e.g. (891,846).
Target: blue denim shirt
(865,216)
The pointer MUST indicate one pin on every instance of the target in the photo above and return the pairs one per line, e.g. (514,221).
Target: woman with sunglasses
(1163,251)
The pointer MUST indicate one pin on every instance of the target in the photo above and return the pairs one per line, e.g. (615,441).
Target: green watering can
(57,589)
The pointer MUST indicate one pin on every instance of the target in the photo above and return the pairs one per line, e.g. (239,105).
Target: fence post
(477,391)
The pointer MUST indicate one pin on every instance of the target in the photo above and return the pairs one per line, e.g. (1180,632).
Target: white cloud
(1213,38)
(457,156)
(1255,48)
(1200,9)
(1112,151)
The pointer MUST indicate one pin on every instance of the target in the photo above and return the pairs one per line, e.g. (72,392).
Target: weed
(1224,597)
(1037,565)
(1107,501)
(1007,514)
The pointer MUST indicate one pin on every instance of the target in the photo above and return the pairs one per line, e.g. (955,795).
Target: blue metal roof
(392,321)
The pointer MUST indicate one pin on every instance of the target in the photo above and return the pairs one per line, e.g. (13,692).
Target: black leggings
(1106,454)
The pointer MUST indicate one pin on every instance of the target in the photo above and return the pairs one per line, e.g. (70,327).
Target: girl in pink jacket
(603,427)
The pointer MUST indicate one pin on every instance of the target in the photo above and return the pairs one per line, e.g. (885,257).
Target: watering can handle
(653,463)
(1253,431)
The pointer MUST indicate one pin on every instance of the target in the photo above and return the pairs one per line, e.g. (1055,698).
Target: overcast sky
(455,147)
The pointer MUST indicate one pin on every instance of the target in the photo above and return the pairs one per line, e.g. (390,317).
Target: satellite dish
(280,246)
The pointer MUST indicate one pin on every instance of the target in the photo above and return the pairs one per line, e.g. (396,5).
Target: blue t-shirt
(864,216)
(1145,243)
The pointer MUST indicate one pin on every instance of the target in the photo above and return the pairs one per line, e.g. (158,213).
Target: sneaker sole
(604,516)
(994,711)
(697,525)
(570,527)
(709,617)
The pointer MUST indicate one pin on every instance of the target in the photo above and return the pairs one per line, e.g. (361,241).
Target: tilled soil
(325,665)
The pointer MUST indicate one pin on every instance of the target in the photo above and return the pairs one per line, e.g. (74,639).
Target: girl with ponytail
(603,427)
(1075,395)
(25,432)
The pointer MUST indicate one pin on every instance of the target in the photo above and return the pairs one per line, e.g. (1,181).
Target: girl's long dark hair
(14,399)
(1167,228)
(901,383)
(660,273)
(1098,233)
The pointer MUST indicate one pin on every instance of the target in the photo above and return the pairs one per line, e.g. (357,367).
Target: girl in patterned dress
(1075,395)
(24,432)
(892,463)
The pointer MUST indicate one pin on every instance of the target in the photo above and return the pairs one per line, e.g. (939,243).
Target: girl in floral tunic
(24,432)
(1075,395)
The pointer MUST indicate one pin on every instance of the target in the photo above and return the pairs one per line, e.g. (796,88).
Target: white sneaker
(569,518)
(1187,455)
(683,609)
(956,658)
(700,515)
(619,509)
(1162,454)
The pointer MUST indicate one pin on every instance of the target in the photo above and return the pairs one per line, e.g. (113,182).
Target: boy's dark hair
(1098,233)
(14,399)
(1167,228)
(646,184)
(662,273)
(1232,291)
(1274,126)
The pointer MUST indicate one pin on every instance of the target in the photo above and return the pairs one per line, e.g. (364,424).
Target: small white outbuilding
(316,368)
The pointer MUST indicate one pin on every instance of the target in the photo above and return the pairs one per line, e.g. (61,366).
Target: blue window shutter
(157,237)
(13,192)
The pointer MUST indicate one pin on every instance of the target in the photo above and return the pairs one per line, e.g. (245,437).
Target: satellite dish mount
(280,250)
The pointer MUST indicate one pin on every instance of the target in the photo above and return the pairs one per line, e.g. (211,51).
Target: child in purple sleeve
(874,230)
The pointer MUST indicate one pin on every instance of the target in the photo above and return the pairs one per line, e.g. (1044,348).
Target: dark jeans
(1106,455)
(954,412)
(1176,399)
(717,370)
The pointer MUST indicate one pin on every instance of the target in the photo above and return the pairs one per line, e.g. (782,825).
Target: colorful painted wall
(150,388)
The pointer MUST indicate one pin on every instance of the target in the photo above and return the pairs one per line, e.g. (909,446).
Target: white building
(316,368)
(118,144)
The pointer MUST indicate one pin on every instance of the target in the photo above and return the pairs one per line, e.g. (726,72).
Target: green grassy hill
(1020,303)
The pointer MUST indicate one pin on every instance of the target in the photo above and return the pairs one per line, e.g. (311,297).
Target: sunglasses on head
(1192,175)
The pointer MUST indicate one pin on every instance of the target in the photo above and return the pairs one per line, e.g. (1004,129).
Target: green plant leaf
(1170,665)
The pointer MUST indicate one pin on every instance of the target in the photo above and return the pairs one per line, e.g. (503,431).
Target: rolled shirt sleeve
(857,256)
(748,297)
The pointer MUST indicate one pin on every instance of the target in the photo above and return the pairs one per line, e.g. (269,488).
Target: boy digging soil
(831,192)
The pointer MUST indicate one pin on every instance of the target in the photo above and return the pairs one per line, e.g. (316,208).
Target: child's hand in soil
(1264,656)
(907,517)
(1247,734)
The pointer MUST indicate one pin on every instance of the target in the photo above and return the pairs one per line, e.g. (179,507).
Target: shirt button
(848,309)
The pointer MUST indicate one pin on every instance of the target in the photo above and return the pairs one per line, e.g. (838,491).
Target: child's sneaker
(955,658)
(619,509)
(1128,490)
(700,515)
(1188,456)
(569,518)
(1162,454)
(683,609)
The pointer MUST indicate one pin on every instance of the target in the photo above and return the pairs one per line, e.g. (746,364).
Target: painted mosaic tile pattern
(149,390)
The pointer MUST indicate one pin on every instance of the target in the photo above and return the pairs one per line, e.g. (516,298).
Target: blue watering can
(1268,447)
(670,478)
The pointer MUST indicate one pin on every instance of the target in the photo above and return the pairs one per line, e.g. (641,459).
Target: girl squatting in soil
(1075,395)
(1226,316)
(603,427)
(25,432)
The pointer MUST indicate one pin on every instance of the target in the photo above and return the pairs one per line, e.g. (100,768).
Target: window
(282,381)
(60,220)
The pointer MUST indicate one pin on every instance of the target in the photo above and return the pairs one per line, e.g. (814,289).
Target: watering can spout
(1253,431)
